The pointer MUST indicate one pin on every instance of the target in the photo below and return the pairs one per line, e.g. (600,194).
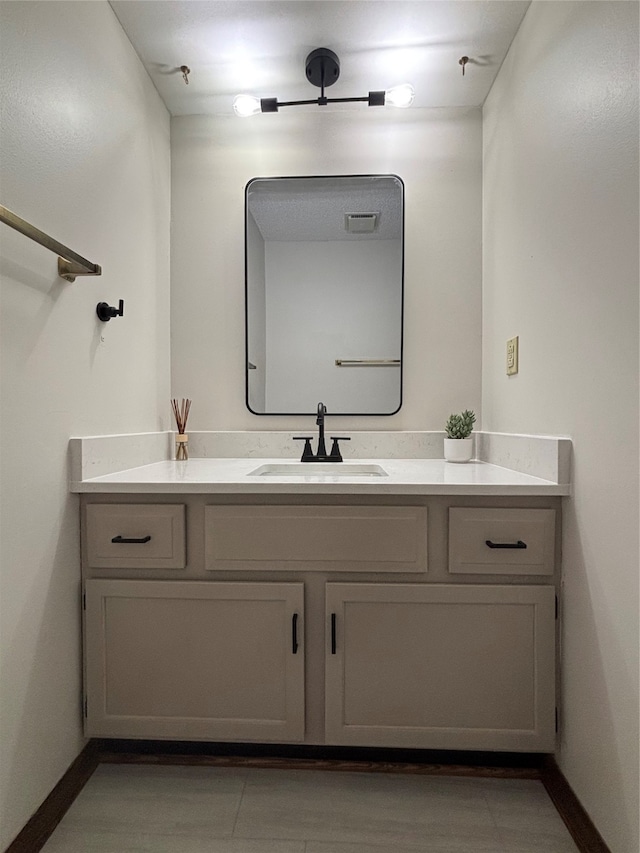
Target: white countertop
(405,477)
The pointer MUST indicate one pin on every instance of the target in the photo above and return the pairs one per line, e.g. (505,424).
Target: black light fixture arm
(322,68)
(271,105)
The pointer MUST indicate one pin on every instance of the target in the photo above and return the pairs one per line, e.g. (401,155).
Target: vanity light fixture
(322,68)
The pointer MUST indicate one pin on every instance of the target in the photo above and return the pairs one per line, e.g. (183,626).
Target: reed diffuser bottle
(181,413)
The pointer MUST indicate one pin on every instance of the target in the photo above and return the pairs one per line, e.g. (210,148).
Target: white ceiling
(259,47)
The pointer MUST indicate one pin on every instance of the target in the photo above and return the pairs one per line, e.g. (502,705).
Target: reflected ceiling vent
(360,223)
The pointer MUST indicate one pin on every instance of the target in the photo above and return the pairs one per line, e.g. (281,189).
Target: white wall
(561,271)
(85,157)
(327,301)
(438,155)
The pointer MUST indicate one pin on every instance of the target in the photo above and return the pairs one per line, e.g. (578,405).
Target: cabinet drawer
(501,541)
(157,532)
(316,538)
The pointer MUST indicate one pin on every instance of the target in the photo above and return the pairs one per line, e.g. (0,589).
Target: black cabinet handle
(519,544)
(120,540)
(333,633)
(294,633)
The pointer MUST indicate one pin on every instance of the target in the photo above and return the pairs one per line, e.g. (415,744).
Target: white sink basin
(318,469)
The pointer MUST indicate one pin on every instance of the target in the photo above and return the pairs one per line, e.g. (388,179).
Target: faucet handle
(335,455)
(307,453)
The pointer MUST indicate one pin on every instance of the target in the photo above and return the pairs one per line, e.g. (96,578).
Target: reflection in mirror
(324,293)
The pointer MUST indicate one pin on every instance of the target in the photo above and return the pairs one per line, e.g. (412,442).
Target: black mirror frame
(246,298)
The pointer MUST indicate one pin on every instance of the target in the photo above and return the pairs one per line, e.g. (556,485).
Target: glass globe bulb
(246,105)
(400,96)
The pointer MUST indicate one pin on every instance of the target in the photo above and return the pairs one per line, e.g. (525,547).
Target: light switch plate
(512,356)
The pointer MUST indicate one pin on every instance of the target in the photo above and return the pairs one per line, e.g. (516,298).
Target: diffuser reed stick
(181,413)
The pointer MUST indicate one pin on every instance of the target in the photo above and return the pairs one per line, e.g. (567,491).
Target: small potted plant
(458,445)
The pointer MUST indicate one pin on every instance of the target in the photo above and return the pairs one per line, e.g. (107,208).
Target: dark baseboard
(36,832)
(512,765)
(578,822)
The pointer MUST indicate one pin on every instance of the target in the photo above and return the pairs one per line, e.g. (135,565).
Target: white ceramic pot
(458,449)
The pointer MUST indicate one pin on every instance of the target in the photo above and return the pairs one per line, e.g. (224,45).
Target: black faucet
(321,455)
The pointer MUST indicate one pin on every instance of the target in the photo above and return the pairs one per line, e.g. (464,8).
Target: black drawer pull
(519,544)
(333,634)
(119,540)
(294,633)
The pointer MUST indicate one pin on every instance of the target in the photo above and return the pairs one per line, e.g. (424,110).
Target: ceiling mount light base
(322,67)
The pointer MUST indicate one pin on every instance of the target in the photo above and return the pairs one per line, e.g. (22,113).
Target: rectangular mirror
(324,263)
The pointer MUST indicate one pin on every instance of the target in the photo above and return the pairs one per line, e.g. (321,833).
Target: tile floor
(175,809)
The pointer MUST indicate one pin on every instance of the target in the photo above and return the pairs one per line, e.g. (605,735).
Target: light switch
(512,356)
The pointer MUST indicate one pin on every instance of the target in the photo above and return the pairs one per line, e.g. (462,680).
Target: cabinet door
(194,660)
(441,666)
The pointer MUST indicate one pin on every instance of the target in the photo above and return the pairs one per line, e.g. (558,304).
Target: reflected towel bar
(70,264)
(368,362)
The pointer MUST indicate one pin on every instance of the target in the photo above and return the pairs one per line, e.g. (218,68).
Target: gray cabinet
(371,622)
(194,660)
(441,666)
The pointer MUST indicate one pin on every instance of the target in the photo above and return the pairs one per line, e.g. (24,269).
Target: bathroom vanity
(406,612)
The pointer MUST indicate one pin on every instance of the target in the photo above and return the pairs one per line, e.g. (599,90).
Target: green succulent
(460,426)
